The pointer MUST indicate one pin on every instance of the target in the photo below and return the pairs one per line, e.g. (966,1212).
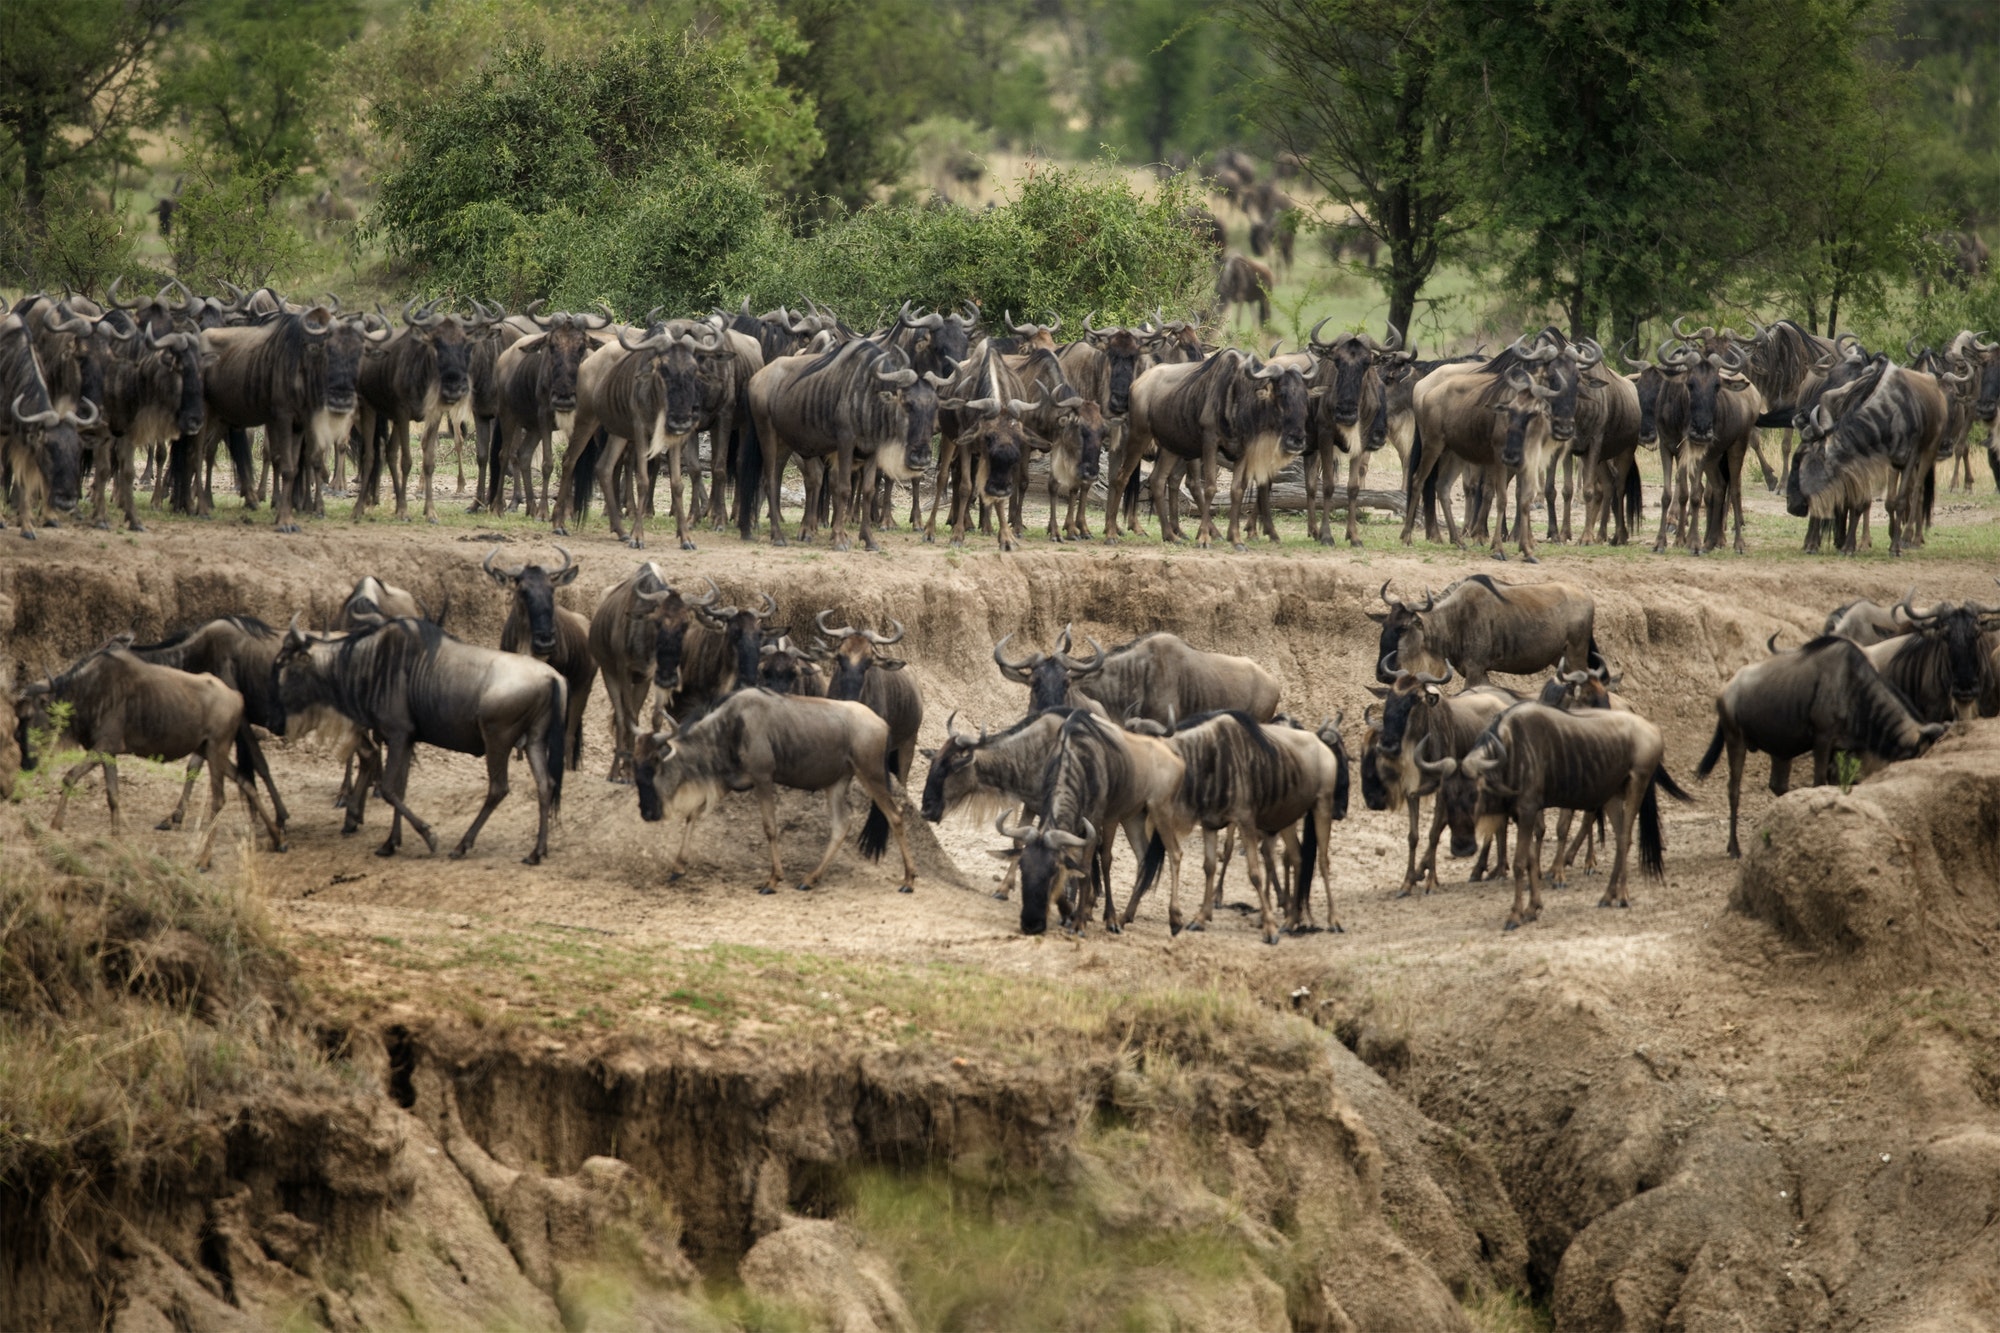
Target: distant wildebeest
(550,633)
(41,452)
(1884,428)
(119,704)
(408,682)
(1422,732)
(636,638)
(1352,422)
(1241,280)
(1816,699)
(1532,758)
(151,394)
(422,373)
(1494,419)
(1479,626)
(758,741)
(536,379)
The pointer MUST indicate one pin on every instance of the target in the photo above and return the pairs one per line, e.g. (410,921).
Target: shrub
(230,226)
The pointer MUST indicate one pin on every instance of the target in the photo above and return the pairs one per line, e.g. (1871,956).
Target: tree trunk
(34,135)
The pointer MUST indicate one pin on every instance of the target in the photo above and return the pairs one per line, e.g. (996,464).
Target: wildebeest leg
(398,450)
(111,791)
(1218,890)
(1430,862)
(1259,882)
(179,812)
(1524,517)
(1205,482)
(1519,915)
(1559,875)
(1415,806)
(680,514)
(868,497)
(1201,918)
(1357,477)
(840,470)
(429,446)
(498,752)
(1628,806)
(67,785)
(283,444)
(395,777)
(1757,444)
(101,465)
(1666,497)
(1736,748)
(608,482)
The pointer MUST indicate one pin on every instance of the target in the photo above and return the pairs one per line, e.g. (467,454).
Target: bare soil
(1732,1105)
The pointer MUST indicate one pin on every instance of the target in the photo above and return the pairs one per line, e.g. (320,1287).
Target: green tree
(1353,88)
(74,84)
(1173,76)
(871,70)
(252,76)
(1952,53)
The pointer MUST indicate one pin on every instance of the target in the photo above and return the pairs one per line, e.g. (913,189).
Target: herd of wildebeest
(945,396)
(1154,738)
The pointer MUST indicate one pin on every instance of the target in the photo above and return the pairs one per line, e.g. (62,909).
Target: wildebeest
(1865,622)
(1422,732)
(536,378)
(295,374)
(239,652)
(783,667)
(1985,363)
(422,373)
(152,393)
(1883,428)
(1098,780)
(1479,626)
(1241,280)
(1259,782)
(1157,676)
(40,450)
(862,673)
(408,682)
(1229,408)
(720,653)
(861,403)
(984,445)
(1534,758)
(758,741)
(636,637)
(1943,668)
(1823,697)
(1075,462)
(1494,418)
(122,705)
(1722,411)
(1350,415)
(550,633)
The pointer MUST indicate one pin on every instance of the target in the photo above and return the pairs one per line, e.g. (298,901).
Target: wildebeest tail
(1652,858)
(239,459)
(1149,866)
(1661,778)
(1131,496)
(246,763)
(1713,753)
(875,832)
(586,472)
(1635,496)
(557,738)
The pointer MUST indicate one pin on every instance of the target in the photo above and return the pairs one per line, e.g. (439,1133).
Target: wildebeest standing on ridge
(1812,700)
(407,681)
(41,453)
(636,638)
(1480,626)
(122,705)
(758,741)
(550,633)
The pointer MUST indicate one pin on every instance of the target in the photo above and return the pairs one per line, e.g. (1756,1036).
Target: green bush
(230,226)
(78,244)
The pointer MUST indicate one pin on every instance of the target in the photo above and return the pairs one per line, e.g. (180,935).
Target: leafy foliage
(232,226)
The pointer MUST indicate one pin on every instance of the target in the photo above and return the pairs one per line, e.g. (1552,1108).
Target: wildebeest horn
(714,595)
(110,329)
(1980,346)
(1312,339)
(78,419)
(48,418)
(1394,342)
(1680,332)
(1426,678)
(1626,356)
(534,316)
(1013,670)
(1436,768)
(509,574)
(1388,665)
(1387,600)
(1917,617)
(1591,353)
(111,297)
(770,606)
(1430,600)
(1078,666)
(645,344)
(835,634)
(1018,832)
(884,640)
(902,379)
(659,596)
(61,319)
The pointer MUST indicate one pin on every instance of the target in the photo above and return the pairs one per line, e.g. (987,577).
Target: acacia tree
(1355,89)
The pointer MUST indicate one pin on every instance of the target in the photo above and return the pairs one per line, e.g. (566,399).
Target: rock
(824,1269)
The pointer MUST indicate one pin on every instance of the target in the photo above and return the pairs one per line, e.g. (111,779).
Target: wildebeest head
(1048,675)
(1525,415)
(1122,349)
(1084,421)
(534,589)
(1574,690)
(951,778)
(1413,690)
(1402,623)
(854,650)
(565,343)
(670,613)
(1048,856)
(938,342)
(742,630)
(661,772)
(783,667)
(169,357)
(1712,375)
(1351,356)
(338,350)
(1985,359)
(1961,629)
(1271,397)
(673,352)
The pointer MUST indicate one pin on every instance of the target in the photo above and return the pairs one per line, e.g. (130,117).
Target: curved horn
(48,418)
(1312,339)
(645,344)
(1017,832)
(770,606)
(1013,670)
(1917,617)
(835,634)
(1384,594)
(884,640)
(714,595)
(1078,666)
(1426,678)
(1625,355)
(1394,342)
(78,419)
(1680,332)
(567,562)
(509,574)
(111,297)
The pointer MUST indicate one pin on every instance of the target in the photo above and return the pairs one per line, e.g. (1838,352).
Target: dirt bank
(1666,1117)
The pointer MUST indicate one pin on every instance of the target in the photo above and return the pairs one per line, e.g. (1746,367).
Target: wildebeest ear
(1380,691)
(567,577)
(930,755)
(1379,617)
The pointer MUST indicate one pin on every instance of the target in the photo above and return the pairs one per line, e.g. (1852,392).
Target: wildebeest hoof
(531,859)
(687,544)
(386,849)
(805,888)
(102,525)
(1337,929)
(1527,559)
(1270,937)
(635,543)
(907,888)
(166,825)
(1511,925)
(557,531)
(766,890)
(1000,895)
(431,519)
(28,534)
(1238,547)
(1113,928)
(1193,926)
(675,876)
(457,854)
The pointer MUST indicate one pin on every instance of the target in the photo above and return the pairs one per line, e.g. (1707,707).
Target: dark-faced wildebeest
(1494,420)
(1352,422)
(41,453)
(122,705)
(1943,668)
(861,672)
(408,682)
(1881,430)
(1823,697)
(550,633)
(1534,758)
(152,393)
(758,741)
(1479,626)
(422,373)
(1422,730)
(636,637)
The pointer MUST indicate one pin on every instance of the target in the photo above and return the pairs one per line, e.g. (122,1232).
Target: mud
(1764,1097)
